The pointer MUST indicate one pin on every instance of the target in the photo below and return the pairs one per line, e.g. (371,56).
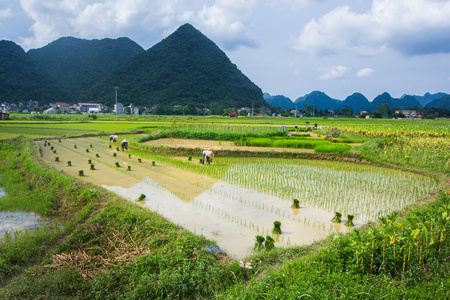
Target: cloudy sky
(286,47)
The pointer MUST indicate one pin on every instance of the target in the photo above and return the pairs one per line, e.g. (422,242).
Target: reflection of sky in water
(233,216)
(18,221)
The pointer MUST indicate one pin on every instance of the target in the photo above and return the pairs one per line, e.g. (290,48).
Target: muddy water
(11,222)
(220,211)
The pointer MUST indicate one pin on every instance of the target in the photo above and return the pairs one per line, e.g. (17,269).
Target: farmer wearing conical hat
(124,144)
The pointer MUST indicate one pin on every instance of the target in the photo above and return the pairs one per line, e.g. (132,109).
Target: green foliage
(336,149)
(79,64)
(22,79)
(184,68)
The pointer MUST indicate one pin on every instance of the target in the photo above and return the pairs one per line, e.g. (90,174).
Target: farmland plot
(249,197)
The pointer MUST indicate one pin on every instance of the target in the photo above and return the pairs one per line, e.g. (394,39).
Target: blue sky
(286,47)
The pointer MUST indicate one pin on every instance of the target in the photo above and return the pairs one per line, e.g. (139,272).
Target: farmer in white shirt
(208,156)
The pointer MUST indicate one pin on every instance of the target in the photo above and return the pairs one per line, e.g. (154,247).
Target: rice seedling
(337,218)
(97,155)
(74,146)
(153,164)
(277,227)
(129,155)
(87,150)
(51,148)
(56,158)
(114,154)
(129,168)
(349,221)
(81,173)
(295,204)
(259,242)
(54,151)
(139,160)
(69,163)
(90,161)
(142,197)
(117,164)
(92,167)
(90,145)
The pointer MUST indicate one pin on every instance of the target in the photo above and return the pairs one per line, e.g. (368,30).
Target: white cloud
(365,72)
(5,13)
(224,20)
(411,27)
(227,20)
(333,72)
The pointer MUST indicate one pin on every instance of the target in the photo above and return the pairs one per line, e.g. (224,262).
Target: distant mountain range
(358,102)
(184,68)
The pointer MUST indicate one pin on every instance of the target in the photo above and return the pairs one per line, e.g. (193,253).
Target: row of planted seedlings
(93,145)
(264,204)
(366,195)
(414,244)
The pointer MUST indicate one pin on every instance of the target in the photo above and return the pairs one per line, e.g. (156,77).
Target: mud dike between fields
(226,213)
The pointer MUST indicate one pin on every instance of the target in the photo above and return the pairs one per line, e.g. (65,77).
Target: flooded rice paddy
(230,211)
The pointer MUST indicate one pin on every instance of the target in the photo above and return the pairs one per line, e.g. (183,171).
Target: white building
(134,110)
(119,109)
(50,110)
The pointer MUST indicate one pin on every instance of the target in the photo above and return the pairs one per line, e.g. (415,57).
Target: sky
(286,47)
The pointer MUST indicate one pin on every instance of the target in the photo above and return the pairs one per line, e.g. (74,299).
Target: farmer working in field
(124,144)
(113,138)
(208,156)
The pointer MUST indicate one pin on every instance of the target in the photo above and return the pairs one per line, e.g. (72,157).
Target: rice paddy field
(263,185)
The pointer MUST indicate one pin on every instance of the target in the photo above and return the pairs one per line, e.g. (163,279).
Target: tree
(384,110)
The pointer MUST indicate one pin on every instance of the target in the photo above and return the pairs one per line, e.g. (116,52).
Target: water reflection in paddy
(233,216)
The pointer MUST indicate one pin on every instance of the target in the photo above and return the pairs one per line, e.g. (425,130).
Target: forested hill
(78,64)
(184,68)
(22,79)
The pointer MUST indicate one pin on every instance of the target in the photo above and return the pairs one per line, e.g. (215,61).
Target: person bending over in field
(208,156)
(124,144)
(113,138)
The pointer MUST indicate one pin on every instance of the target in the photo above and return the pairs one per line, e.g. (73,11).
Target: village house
(134,110)
(50,110)
(118,109)
(91,108)
(64,107)
(409,114)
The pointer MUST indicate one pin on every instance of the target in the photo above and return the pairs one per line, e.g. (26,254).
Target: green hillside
(79,64)
(184,68)
(22,79)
